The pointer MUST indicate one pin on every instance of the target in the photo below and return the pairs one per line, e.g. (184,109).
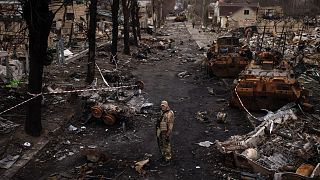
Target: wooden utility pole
(92,41)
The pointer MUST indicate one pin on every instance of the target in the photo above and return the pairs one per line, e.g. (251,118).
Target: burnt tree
(92,41)
(115,30)
(39,20)
(138,22)
(134,23)
(125,7)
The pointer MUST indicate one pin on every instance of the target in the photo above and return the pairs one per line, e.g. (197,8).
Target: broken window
(7,26)
(81,28)
(79,1)
(69,16)
(246,12)
(283,87)
(269,12)
(248,85)
(7,38)
(53,26)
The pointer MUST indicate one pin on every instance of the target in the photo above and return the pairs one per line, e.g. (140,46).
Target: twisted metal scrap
(7,126)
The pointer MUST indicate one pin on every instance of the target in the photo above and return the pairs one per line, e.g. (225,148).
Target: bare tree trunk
(70,35)
(72,29)
(125,7)
(161,19)
(158,12)
(134,24)
(92,41)
(39,20)
(138,22)
(154,18)
(115,24)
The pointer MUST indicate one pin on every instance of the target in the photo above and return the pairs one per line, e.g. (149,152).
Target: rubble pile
(281,143)
(120,104)
(158,43)
(308,76)
(181,18)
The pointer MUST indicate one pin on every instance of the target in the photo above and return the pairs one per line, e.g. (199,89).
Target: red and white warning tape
(19,104)
(235,90)
(65,92)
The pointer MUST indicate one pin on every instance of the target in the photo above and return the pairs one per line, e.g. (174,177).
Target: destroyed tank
(227,58)
(266,83)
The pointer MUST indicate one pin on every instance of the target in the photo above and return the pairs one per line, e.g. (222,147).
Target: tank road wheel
(109,119)
(96,111)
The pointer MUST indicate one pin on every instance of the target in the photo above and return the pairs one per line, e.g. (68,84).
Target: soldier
(164,129)
(193,22)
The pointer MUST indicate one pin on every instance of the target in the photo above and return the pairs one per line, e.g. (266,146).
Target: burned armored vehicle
(266,83)
(227,58)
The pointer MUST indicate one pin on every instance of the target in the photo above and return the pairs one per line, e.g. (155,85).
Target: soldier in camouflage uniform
(164,129)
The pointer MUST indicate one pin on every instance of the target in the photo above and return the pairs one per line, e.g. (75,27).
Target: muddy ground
(121,145)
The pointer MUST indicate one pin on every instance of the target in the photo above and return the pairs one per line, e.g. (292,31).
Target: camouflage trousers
(164,145)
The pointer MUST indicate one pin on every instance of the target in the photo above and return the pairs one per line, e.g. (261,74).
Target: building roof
(262,3)
(9,2)
(269,3)
(227,9)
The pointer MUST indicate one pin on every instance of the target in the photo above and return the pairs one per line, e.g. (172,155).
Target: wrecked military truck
(227,58)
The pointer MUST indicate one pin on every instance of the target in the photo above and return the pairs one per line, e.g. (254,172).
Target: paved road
(187,96)
(203,39)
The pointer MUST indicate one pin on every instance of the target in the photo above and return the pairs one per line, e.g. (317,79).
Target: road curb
(25,158)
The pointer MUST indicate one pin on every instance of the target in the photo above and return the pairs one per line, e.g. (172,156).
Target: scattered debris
(221,117)
(184,74)
(67,53)
(95,155)
(72,128)
(13,70)
(7,126)
(27,144)
(202,116)
(8,161)
(305,170)
(181,18)
(205,144)
(139,166)
(251,154)
(61,158)
(211,91)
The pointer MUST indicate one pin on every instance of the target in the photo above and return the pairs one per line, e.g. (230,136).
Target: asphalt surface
(63,156)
